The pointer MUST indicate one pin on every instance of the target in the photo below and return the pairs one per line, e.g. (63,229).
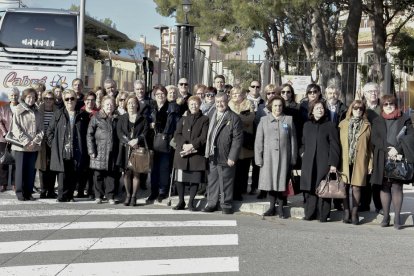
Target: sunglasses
(389,104)
(48,99)
(253,86)
(314,92)
(183,84)
(360,108)
(285,92)
(70,99)
(271,93)
(210,95)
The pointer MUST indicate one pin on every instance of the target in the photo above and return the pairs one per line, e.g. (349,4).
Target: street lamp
(186,9)
(105,39)
(161,28)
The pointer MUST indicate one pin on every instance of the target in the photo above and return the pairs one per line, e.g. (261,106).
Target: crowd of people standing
(208,139)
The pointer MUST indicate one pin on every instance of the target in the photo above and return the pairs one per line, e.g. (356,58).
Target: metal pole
(81,35)
(178,55)
(160,58)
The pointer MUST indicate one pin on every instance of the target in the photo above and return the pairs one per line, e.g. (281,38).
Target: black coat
(55,136)
(191,129)
(229,138)
(102,141)
(320,148)
(139,130)
(380,144)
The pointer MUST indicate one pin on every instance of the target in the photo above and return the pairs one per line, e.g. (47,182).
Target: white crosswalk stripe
(51,234)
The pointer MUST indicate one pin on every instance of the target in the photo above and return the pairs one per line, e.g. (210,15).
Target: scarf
(255,101)
(355,124)
(393,115)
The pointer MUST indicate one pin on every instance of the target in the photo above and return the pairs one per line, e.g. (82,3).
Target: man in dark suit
(224,142)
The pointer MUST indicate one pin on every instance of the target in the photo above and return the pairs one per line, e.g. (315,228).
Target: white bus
(37,46)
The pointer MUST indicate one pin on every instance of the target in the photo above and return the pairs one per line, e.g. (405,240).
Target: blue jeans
(160,174)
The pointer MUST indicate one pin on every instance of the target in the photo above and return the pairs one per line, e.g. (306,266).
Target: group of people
(210,137)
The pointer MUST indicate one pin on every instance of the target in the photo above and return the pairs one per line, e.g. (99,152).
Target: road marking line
(117,242)
(95,212)
(148,267)
(114,224)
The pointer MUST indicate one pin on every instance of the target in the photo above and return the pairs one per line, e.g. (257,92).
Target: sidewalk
(252,205)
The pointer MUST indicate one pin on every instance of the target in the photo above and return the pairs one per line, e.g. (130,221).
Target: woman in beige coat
(355,135)
(240,105)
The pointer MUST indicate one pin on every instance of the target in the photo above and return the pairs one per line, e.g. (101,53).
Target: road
(83,238)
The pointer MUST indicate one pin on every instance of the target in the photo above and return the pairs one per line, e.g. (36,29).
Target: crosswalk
(42,238)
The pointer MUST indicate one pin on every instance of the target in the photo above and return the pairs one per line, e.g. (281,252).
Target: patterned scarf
(355,124)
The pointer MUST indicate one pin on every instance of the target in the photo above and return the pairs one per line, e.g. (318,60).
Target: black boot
(270,212)
(179,206)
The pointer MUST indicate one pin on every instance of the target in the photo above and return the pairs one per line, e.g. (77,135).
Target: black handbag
(248,140)
(6,158)
(162,143)
(398,169)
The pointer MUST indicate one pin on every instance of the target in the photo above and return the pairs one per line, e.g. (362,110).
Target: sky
(132,17)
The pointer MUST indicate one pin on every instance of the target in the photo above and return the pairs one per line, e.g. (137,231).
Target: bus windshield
(39,31)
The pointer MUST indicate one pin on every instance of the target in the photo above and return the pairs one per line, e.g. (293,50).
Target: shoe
(385,222)
(379,211)
(161,197)
(51,195)
(346,218)
(355,220)
(280,212)
(21,199)
(262,195)
(227,211)
(133,201)
(252,192)
(80,195)
(98,201)
(152,197)
(43,195)
(61,200)
(191,208)
(270,212)
(397,224)
(71,200)
(208,209)
(127,201)
(111,201)
(36,190)
(31,198)
(179,206)
(3,189)
(92,197)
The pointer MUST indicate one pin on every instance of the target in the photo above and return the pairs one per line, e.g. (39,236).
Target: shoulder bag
(162,142)
(332,188)
(398,169)
(140,160)
(6,158)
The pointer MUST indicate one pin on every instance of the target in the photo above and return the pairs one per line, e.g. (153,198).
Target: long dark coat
(320,148)
(380,145)
(102,141)
(56,132)
(191,129)
(124,129)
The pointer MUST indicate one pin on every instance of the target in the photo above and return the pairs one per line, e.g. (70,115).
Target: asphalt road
(83,238)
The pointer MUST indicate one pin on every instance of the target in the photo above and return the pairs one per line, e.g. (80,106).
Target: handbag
(248,140)
(6,157)
(162,142)
(140,160)
(332,188)
(398,169)
(293,186)
(12,140)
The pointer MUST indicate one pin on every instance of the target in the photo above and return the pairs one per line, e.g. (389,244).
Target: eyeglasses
(286,92)
(271,93)
(371,91)
(388,104)
(360,108)
(313,92)
(183,84)
(48,99)
(70,99)
(122,99)
(210,95)
(254,86)
(159,94)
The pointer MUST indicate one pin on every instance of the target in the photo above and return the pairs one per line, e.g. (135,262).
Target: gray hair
(139,82)
(110,81)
